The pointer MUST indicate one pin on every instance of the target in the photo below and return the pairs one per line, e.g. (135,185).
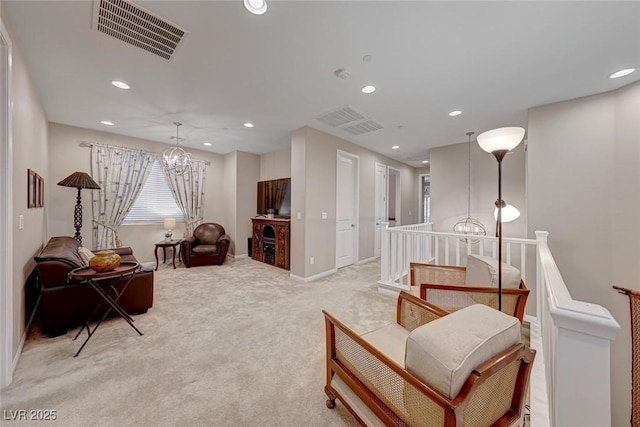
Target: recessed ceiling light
(455,113)
(396,147)
(622,73)
(208,144)
(368,89)
(121,85)
(108,123)
(424,162)
(257,7)
(248,125)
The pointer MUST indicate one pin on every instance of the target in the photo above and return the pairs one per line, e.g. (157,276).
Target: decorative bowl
(105,261)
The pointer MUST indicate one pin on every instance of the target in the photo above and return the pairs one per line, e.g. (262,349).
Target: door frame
(375,205)
(356,204)
(6,213)
(421,196)
(398,200)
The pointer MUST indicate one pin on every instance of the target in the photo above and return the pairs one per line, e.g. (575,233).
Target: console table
(271,241)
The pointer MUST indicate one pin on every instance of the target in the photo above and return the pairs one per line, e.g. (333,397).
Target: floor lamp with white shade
(499,142)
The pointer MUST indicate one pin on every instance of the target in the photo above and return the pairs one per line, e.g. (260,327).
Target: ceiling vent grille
(138,27)
(351,120)
(363,127)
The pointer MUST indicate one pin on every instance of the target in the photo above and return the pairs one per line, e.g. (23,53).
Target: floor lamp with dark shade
(79,180)
(499,142)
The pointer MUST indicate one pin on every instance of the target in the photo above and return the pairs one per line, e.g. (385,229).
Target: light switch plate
(299,215)
(20,222)
(324,215)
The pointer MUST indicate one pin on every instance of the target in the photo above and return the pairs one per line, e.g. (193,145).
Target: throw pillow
(85,254)
(483,271)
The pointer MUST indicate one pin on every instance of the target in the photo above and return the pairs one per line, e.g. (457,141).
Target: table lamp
(169,224)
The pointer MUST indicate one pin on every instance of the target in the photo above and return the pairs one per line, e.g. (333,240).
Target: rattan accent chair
(392,377)
(450,288)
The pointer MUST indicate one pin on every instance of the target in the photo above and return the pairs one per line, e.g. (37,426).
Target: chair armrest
(188,242)
(431,273)
(413,311)
(452,298)
(370,373)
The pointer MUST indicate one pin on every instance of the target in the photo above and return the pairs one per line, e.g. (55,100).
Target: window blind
(155,201)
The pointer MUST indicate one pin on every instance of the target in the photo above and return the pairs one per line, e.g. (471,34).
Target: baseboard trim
(365,261)
(314,277)
(241,256)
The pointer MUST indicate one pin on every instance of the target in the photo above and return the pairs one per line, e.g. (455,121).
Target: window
(155,201)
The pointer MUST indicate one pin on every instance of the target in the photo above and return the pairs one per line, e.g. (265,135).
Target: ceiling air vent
(351,120)
(132,24)
(341,116)
(363,127)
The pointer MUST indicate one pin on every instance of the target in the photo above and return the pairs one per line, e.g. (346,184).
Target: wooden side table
(173,244)
(104,285)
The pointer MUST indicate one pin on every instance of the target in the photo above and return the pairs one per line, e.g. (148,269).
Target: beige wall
(449,187)
(275,165)
(246,195)
(584,188)
(313,173)
(298,202)
(66,157)
(29,128)
(229,196)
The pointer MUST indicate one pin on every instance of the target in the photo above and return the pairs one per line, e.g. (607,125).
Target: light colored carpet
(234,345)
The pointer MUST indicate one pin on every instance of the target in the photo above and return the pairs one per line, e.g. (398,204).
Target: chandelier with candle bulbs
(175,159)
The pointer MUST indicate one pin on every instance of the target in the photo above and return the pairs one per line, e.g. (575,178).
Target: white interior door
(380,209)
(346,209)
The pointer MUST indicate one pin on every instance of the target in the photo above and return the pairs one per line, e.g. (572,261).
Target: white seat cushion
(444,352)
(483,271)
(391,340)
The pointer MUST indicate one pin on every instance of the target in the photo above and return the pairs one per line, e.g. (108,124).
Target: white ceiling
(492,60)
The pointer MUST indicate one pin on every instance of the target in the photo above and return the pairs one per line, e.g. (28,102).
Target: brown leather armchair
(208,246)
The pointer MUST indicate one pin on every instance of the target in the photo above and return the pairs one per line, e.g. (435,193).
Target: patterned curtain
(121,173)
(188,190)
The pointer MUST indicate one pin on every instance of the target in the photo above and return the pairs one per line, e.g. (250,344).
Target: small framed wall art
(35,190)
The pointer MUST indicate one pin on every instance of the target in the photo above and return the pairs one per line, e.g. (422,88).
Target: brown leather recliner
(208,246)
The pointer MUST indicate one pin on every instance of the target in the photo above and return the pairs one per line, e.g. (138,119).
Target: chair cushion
(444,352)
(204,249)
(391,340)
(483,271)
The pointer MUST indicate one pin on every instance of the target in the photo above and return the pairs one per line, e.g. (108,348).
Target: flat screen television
(275,194)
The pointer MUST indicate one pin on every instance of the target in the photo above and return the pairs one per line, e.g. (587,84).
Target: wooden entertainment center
(270,241)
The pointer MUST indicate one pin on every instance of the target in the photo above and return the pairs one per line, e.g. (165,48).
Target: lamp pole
(499,142)
(499,157)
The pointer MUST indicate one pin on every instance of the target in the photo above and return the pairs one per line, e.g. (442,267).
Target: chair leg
(331,401)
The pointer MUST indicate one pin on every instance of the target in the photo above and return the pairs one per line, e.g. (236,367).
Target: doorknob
(352,225)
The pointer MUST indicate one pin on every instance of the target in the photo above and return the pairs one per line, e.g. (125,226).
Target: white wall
(66,157)
(29,129)
(313,177)
(584,188)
